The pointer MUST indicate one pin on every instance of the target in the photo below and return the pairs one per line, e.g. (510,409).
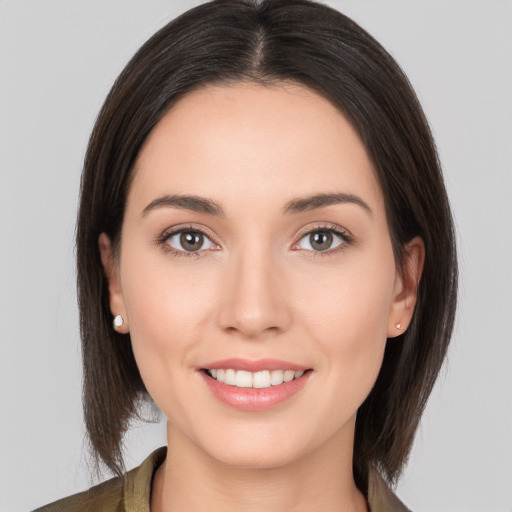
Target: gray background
(58,59)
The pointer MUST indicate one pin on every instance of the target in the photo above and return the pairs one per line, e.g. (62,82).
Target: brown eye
(189,241)
(321,240)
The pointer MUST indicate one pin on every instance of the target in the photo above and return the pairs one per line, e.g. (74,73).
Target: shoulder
(380,496)
(119,494)
(105,497)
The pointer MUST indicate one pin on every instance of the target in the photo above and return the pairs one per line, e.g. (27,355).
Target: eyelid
(174,230)
(344,234)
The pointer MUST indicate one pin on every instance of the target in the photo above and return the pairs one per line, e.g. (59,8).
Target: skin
(259,289)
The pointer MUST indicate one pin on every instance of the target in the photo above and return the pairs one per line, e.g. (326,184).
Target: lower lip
(255,399)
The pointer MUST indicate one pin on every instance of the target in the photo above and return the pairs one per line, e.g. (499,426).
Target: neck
(191,480)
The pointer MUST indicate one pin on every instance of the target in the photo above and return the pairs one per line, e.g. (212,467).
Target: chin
(268,451)
(264,458)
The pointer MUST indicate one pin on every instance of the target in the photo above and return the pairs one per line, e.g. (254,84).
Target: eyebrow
(204,205)
(185,202)
(323,200)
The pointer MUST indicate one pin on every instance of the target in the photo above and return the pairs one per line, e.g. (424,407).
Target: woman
(265,248)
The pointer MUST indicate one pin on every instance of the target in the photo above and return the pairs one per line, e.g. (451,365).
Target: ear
(110,267)
(406,287)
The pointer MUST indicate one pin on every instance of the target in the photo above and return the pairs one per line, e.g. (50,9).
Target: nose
(254,292)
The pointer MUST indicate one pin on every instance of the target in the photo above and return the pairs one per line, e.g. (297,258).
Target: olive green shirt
(131,493)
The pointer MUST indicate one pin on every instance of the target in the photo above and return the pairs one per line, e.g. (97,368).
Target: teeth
(289,375)
(243,379)
(229,377)
(276,377)
(261,379)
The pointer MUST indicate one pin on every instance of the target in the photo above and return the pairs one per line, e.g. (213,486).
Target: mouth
(258,380)
(254,385)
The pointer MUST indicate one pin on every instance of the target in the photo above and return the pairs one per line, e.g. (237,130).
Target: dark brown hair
(267,42)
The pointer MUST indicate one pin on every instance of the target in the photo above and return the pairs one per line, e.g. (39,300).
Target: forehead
(252,140)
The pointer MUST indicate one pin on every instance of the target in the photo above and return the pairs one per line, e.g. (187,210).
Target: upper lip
(254,366)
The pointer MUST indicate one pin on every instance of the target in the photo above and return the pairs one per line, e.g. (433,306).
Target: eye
(189,241)
(322,239)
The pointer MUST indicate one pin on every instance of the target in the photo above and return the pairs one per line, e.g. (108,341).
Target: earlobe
(116,298)
(406,287)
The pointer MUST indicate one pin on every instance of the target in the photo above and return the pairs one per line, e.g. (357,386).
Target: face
(255,250)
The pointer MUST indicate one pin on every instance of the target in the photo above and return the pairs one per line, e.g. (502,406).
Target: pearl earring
(398,326)
(117,322)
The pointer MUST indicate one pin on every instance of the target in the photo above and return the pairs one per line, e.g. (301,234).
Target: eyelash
(346,240)
(345,236)
(162,242)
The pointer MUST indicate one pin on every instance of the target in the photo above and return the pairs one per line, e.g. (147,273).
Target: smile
(261,379)
(254,385)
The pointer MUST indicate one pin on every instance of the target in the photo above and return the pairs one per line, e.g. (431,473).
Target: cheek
(167,305)
(163,295)
(351,302)
(347,315)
